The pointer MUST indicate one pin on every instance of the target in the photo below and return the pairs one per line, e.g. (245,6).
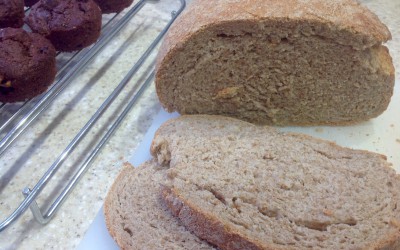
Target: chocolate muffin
(69,24)
(11,13)
(113,6)
(30,3)
(27,64)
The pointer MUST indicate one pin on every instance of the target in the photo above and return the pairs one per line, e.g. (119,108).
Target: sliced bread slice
(241,186)
(291,62)
(136,218)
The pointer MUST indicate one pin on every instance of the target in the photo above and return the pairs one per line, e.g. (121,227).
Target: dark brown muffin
(11,13)
(30,3)
(27,65)
(113,6)
(69,24)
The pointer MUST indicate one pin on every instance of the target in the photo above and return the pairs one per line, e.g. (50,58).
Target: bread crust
(205,223)
(206,226)
(135,216)
(343,15)
(345,22)
(111,227)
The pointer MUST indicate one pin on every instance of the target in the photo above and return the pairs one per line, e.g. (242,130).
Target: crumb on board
(398,140)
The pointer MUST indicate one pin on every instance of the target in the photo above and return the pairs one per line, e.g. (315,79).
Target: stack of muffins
(28,59)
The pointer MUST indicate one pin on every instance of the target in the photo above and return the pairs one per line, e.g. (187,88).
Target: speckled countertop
(26,161)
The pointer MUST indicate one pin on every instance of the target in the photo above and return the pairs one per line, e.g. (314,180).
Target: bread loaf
(241,186)
(136,218)
(291,62)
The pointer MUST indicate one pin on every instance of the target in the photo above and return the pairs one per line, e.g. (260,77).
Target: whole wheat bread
(136,218)
(291,62)
(241,186)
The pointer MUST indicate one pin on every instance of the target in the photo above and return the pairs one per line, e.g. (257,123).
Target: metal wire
(31,195)
(52,93)
(30,104)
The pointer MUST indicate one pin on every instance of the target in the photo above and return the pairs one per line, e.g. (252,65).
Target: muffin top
(11,13)
(27,64)
(61,15)
(21,51)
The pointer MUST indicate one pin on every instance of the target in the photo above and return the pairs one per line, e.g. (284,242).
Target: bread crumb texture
(291,62)
(137,219)
(241,186)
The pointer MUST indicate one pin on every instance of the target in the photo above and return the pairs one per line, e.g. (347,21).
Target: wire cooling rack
(16,119)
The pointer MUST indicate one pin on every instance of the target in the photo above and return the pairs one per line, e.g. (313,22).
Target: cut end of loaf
(271,69)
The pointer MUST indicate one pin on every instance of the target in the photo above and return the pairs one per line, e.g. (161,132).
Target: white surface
(380,135)
(97,236)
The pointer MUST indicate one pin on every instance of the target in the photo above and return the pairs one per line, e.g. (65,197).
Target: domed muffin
(113,6)
(69,24)
(30,3)
(11,13)
(27,65)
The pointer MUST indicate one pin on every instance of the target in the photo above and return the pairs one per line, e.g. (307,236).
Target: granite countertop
(29,157)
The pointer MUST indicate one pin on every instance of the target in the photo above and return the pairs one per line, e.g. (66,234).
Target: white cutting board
(380,135)
(97,236)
